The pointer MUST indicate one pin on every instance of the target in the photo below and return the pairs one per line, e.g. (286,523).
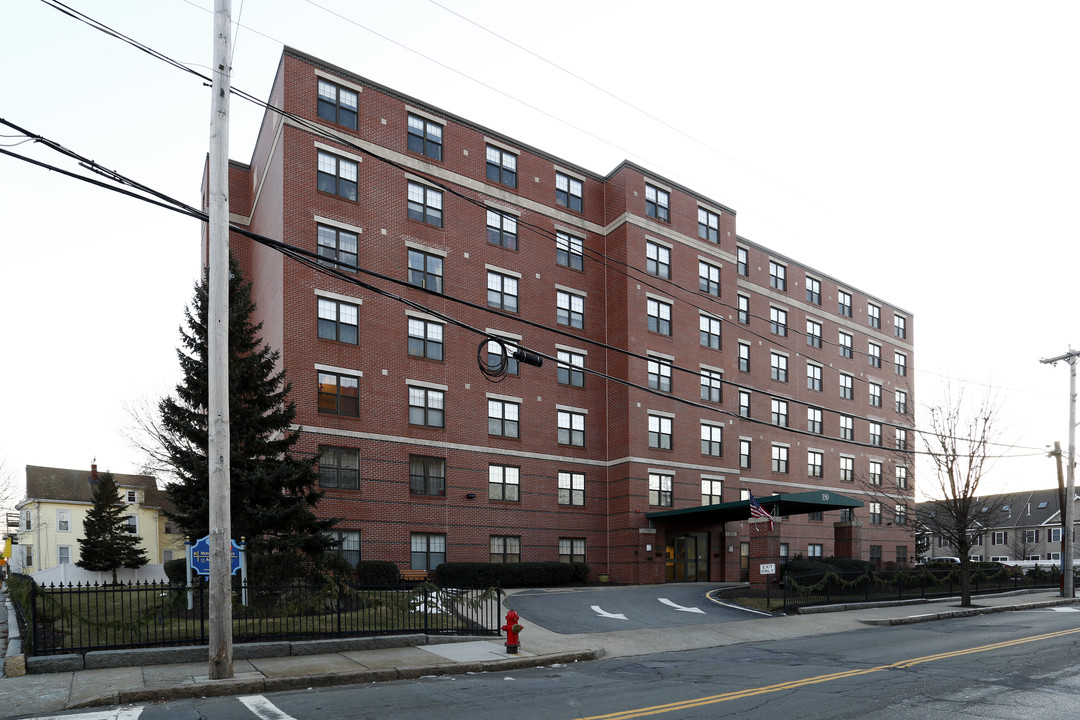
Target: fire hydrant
(512,628)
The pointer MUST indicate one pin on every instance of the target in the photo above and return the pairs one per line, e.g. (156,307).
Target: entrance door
(687,558)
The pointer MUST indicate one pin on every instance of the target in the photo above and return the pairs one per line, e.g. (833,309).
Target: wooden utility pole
(1069,510)
(221,646)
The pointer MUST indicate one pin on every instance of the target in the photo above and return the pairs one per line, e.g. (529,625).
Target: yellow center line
(793,684)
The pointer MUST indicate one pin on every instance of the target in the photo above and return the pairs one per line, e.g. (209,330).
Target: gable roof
(1017,509)
(77,486)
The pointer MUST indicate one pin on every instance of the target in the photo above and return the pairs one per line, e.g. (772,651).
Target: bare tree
(958,439)
(9,492)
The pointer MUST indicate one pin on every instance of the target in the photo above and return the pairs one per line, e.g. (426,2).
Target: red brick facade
(277,195)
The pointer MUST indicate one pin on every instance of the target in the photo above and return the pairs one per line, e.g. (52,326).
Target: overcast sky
(924,152)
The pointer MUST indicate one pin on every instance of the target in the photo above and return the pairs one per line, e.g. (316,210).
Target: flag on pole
(757,511)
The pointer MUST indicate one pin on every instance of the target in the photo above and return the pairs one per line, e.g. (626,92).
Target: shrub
(176,571)
(377,572)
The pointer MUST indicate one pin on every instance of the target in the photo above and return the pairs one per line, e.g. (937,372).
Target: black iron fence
(828,587)
(80,618)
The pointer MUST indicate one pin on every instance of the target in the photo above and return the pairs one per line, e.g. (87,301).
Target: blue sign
(200,556)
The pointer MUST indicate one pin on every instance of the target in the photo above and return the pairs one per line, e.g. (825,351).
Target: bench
(415,575)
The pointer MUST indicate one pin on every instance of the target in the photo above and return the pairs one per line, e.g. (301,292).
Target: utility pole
(221,646)
(1070,475)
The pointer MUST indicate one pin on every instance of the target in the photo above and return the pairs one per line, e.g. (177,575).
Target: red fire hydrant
(512,628)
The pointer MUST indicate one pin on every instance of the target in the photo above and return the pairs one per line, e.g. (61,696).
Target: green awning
(777,505)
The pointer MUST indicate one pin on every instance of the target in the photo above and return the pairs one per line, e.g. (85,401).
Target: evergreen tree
(272,492)
(108,545)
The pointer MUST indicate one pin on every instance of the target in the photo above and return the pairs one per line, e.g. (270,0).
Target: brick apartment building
(797,384)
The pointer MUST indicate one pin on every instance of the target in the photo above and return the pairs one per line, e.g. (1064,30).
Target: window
(660,489)
(712,440)
(875,513)
(425,204)
(503,418)
(428,551)
(659,316)
(814,550)
(712,385)
(569,309)
(712,492)
(875,394)
(425,137)
(778,321)
(28,551)
(657,203)
(744,453)
(427,475)
(657,260)
(847,427)
(813,420)
(338,321)
(339,467)
(844,302)
(501,166)
(63,555)
(901,477)
(571,488)
(901,554)
(572,550)
(814,463)
(900,363)
(339,394)
(505,549)
(502,291)
(425,339)
(63,520)
(875,555)
(813,333)
(132,525)
(502,230)
(1031,536)
(901,439)
(845,342)
(875,434)
(708,278)
(27,519)
(1053,535)
(779,412)
(426,270)
(337,104)
(1053,556)
(875,472)
(660,432)
(845,381)
(744,403)
(426,407)
(133,497)
(337,176)
(570,366)
(571,428)
(744,310)
(873,315)
(569,250)
(901,514)
(347,545)
(777,276)
(813,377)
(779,458)
(813,290)
(1001,537)
(337,245)
(744,357)
(900,326)
(504,482)
(873,354)
(568,192)
(901,401)
(847,468)
(659,374)
(816,515)
(708,225)
(778,365)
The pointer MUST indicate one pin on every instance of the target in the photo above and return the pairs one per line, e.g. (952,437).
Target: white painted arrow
(680,608)
(601,613)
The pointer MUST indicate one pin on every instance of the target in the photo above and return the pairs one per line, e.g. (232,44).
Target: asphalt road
(591,610)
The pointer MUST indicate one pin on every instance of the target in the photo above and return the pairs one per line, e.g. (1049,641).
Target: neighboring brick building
(425,459)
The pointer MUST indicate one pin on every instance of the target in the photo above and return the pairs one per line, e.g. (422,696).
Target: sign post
(768,569)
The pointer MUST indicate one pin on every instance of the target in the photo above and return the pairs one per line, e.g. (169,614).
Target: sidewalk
(332,662)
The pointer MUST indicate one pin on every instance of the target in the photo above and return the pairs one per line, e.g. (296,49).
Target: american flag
(757,511)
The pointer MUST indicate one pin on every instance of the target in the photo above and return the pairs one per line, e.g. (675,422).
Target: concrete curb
(967,612)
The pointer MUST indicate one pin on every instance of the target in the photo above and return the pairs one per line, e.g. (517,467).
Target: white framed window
(63,555)
(63,521)
(660,489)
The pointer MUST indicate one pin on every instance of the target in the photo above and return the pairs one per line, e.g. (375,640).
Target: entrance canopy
(777,505)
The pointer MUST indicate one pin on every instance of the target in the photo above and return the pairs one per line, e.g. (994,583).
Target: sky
(924,152)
